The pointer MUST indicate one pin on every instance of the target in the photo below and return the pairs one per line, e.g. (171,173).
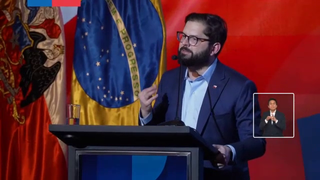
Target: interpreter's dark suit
(272,128)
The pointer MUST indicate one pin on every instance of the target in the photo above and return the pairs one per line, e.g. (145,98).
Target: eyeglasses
(192,40)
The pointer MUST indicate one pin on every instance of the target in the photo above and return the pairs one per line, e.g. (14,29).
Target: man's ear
(215,48)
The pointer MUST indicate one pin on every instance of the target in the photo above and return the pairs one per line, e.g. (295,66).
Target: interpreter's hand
(224,157)
(273,119)
(147,96)
(269,118)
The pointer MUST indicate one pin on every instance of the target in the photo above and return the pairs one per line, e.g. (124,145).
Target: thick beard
(195,60)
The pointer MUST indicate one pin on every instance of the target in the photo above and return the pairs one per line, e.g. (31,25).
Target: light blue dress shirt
(193,96)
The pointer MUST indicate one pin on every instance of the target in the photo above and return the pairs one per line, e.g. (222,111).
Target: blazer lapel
(216,86)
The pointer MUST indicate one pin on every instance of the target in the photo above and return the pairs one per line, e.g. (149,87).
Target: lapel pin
(215,86)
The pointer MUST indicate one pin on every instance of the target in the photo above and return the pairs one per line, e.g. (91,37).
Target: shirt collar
(273,112)
(207,74)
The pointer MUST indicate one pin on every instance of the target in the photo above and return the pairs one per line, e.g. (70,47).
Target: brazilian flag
(119,51)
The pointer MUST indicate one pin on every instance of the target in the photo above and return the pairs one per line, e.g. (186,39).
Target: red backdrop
(276,44)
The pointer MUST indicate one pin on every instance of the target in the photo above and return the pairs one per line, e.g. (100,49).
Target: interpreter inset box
(277,115)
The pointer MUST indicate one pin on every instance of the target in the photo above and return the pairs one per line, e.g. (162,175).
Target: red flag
(32,89)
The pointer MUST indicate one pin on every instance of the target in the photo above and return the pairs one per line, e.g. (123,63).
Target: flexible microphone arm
(177,118)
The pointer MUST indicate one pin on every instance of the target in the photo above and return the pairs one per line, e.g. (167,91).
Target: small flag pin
(215,86)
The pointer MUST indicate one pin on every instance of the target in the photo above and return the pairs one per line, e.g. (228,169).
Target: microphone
(174,57)
(177,120)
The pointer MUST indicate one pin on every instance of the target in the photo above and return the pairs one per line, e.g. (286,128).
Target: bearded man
(215,100)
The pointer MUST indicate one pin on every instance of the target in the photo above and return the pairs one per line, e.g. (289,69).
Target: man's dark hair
(216,28)
(273,99)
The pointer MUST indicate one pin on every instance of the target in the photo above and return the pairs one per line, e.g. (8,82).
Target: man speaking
(215,100)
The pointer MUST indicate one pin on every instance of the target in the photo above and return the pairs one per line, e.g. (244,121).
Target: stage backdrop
(274,43)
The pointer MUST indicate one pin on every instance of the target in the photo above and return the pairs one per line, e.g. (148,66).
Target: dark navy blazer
(233,112)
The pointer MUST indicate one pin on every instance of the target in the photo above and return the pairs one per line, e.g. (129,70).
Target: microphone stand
(177,120)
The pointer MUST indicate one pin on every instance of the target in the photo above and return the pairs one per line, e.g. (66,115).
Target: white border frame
(293,116)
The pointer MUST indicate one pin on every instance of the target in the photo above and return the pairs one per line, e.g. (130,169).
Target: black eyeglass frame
(191,36)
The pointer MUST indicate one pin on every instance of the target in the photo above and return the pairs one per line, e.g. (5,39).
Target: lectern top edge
(148,136)
(123,129)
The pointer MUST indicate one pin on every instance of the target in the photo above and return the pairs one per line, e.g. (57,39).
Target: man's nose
(185,42)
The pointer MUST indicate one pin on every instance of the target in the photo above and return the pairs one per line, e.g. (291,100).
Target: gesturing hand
(147,96)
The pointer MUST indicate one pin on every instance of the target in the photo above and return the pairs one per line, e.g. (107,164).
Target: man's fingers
(149,101)
(219,147)
(219,161)
(215,145)
(150,93)
(152,88)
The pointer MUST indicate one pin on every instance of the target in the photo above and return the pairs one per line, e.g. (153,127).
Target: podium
(134,152)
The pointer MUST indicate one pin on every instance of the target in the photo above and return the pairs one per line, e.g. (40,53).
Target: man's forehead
(194,28)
